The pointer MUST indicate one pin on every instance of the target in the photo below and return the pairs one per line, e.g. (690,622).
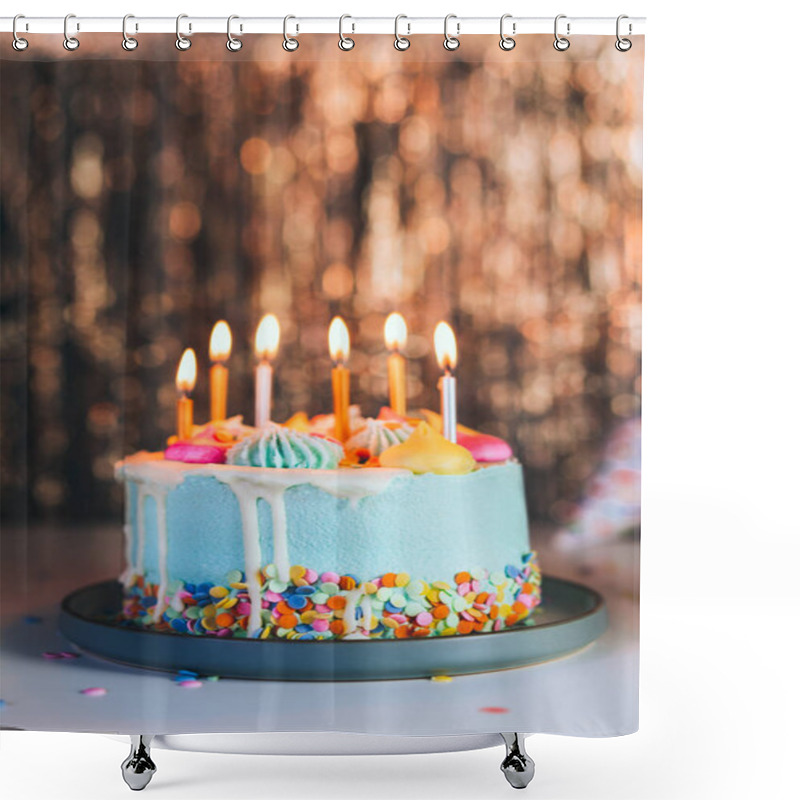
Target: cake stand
(571,617)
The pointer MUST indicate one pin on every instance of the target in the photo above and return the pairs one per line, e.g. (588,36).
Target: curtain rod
(407,26)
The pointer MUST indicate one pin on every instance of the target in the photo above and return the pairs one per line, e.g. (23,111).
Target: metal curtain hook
(507,42)
(181,42)
(128,42)
(18,43)
(70,42)
(290,43)
(345,42)
(400,42)
(561,44)
(233,44)
(623,45)
(451,42)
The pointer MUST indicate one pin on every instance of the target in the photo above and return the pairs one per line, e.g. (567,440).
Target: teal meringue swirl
(284,448)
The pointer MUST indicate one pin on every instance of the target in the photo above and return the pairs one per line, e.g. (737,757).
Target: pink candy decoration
(424,618)
(390,415)
(190,453)
(191,684)
(273,597)
(242,608)
(320,625)
(310,576)
(329,577)
(323,608)
(94,691)
(484,448)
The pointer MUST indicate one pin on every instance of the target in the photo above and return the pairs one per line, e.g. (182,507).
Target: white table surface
(591,693)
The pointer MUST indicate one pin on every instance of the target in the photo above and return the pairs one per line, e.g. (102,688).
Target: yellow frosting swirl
(428,451)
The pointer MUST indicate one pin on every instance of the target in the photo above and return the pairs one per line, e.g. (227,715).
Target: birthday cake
(287,531)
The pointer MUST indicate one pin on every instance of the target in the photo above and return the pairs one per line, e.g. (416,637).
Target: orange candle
(395,334)
(184,382)
(219,349)
(339,346)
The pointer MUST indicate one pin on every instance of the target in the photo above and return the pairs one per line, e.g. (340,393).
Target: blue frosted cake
(396,533)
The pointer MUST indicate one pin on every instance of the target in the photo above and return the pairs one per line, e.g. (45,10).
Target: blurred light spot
(337,281)
(184,221)
(86,175)
(340,150)
(435,233)
(415,138)
(255,155)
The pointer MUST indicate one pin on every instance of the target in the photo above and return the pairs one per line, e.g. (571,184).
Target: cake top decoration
(425,450)
(284,448)
(375,436)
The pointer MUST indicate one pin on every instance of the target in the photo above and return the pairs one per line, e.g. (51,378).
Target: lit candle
(444,342)
(395,334)
(268,335)
(219,349)
(339,345)
(184,382)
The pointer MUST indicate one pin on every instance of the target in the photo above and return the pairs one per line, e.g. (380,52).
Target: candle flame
(268,336)
(444,342)
(219,347)
(395,331)
(187,371)
(338,340)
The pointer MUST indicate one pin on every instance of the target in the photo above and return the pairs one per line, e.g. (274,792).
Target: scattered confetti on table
(94,691)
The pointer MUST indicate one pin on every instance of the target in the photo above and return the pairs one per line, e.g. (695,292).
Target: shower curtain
(148,194)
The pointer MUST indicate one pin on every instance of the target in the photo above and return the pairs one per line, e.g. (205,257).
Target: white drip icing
(154,483)
(354,598)
(127,529)
(156,477)
(366,614)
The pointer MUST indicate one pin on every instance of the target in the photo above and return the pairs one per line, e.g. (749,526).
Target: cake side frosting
(200,523)
(286,531)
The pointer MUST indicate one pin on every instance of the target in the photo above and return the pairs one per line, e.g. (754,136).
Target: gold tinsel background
(146,195)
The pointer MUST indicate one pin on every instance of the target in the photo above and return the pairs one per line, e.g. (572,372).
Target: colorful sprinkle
(312,606)
(190,684)
(94,691)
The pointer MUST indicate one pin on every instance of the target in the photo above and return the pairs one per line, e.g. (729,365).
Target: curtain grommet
(182,42)
(18,43)
(128,42)
(623,45)
(507,42)
(401,43)
(71,43)
(233,44)
(290,43)
(561,43)
(451,42)
(346,43)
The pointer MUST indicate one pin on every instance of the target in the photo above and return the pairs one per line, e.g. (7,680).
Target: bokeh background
(144,197)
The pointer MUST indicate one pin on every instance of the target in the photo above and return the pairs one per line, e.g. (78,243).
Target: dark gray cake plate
(570,617)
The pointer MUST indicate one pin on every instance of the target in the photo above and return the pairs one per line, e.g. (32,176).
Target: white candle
(444,342)
(268,336)
(263,394)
